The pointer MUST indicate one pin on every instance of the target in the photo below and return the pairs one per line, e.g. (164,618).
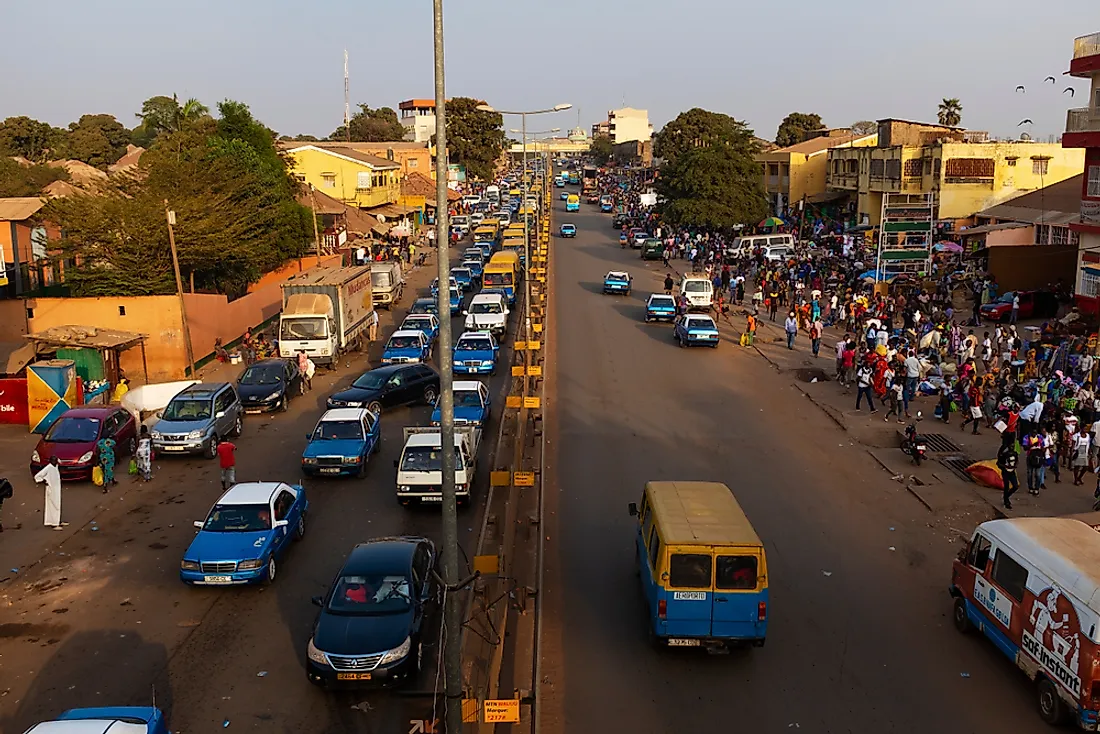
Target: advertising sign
(13,401)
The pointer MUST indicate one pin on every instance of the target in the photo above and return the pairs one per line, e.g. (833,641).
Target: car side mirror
(198,524)
(632,508)
(465,312)
(318,601)
(395,463)
(309,436)
(220,414)
(281,523)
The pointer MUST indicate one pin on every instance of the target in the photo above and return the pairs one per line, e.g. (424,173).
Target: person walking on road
(1006,462)
(307,368)
(372,327)
(816,328)
(791,327)
(863,387)
(912,376)
(106,448)
(1035,448)
(51,475)
(668,283)
(144,454)
(1015,308)
(5,494)
(227,460)
(750,330)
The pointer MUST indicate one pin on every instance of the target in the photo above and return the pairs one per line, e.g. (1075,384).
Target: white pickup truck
(420,468)
(487,312)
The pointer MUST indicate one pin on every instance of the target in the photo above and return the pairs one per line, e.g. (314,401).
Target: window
(328,180)
(654,548)
(1094,182)
(978,556)
(1059,235)
(1042,234)
(877,167)
(413,163)
(647,523)
(282,504)
(853,166)
(735,572)
(969,170)
(1009,575)
(773,169)
(223,401)
(893,168)
(689,571)
(1011,162)
(913,167)
(1090,285)
(1039,166)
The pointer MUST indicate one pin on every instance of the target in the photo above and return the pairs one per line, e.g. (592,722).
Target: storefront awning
(14,356)
(1091,269)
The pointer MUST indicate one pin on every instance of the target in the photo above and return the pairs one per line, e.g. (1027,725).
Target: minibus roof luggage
(693,513)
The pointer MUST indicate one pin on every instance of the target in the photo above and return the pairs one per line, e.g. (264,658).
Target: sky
(846,60)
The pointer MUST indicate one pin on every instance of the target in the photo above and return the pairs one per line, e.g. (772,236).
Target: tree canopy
(794,127)
(864,127)
(698,128)
(950,111)
(29,138)
(98,140)
(475,138)
(19,180)
(371,126)
(602,149)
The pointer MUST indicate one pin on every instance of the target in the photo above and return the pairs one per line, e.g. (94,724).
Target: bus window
(978,556)
(654,548)
(1009,575)
(689,571)
(735,572)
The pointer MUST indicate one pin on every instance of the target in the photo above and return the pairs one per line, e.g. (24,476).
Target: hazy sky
(847,60)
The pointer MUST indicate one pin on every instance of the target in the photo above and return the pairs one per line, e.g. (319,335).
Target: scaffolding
(906,235)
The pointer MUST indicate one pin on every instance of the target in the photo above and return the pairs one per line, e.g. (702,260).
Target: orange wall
(13,320)
(1014,236)
(292,268)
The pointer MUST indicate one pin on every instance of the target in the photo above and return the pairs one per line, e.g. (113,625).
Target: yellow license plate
(353,676)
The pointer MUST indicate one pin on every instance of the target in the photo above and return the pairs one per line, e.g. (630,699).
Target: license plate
(218,579)
(171,448)
(921,447)
(330,470)
(353,676)
(689,595)
(682,642)
(253,410)
(431,499)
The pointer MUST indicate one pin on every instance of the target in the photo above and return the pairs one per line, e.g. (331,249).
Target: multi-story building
(418,117)
(1083,133)
(627,124)
(601,129)
(798,171)
(965,171)
(346,174)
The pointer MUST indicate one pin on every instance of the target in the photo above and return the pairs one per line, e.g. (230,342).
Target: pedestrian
(790,326)
(1080,448)
(894,398)
(668,284)
(120,391)
(227,460)
(849,364)
(1015,308)
(1006,462)
(372,327)
(106,448)
(912,376)
(51,475)
(144,454)
(974,403)
(5,494)
(863,387)
(1035,453)
(815,336)
(750,329)
(307,375)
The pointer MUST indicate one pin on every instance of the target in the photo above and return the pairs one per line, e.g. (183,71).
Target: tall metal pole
(526,314)
(170,217)
(452,615)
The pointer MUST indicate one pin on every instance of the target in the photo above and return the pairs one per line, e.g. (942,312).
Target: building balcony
(1082,127)
(1086,46)
(1086,56)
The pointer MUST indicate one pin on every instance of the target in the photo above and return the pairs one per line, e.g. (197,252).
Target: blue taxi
(475,353)
(425,322)
(696,330)
(564,195)
(476,268)
(472,404)
(342,443)
(451,283)
(568,230)
(132,719)
(424,305)
(617,282)
(456,301)
(660,307)
(247,529)
(463,277)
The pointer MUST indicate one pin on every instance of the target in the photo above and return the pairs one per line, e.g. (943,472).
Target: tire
(238,427)
(212,447)
(430,394)
(961,618)
(284,404)
(375,407)
(1052,709)
(916,458)
(269,577)
(300,530)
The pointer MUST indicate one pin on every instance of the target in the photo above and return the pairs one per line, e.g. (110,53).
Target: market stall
(95,353)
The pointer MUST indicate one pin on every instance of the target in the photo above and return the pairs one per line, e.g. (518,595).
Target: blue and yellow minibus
(501,275)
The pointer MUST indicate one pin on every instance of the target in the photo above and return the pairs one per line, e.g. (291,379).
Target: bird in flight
(1049,79)
(1068,89)
(1026,122)
(1020,88)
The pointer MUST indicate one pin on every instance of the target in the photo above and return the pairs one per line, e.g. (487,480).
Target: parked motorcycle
(913,445)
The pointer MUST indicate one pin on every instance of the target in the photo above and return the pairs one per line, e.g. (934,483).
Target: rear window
(735,572)
(689,571)
(777,240)
(697,286)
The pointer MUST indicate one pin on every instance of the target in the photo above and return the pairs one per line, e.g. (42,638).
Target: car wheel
(284,403)
(238,427)
(960,617)
(212,447)
(300,531)
(1051,708)
(429,395)
(375,407)
(269,577)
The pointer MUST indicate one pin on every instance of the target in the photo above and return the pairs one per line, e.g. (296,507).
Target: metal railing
(1083,120)
(1086,46)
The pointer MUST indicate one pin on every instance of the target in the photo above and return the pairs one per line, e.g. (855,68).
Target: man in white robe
(51,475)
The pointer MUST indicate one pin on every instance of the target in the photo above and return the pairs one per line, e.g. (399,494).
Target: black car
(425,305)
(370,626)
(268,385)
(388,387)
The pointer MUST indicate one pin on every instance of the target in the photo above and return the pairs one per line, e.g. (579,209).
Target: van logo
(1052,636)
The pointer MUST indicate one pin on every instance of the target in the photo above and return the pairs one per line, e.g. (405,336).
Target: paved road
(860,636)
(105,620)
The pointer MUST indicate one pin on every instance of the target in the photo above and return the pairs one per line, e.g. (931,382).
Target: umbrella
(771,222)
(947,247)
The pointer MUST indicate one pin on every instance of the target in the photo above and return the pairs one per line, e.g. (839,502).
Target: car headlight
(352,404)
(314,654)
(486,363)
(308,460)
(189,565)
(398,653)
(154,434)
(194,435)
(250,565)
(351,459)
(85,458)
(35,458)
(272,396)
(404,488)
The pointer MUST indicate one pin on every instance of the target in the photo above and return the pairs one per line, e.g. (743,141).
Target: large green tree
(163,114)
(475,138)
(19,180)
(698,128)
(794,127)
(371,126)
(714,187)
(602,149)
(98,140)
(864,127)
(950,111)
(34,140)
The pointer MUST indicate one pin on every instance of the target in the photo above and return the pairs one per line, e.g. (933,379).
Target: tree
(698,128)
(23,136)
(162,114)
(371,126)
(794,127)
(714,187)
(864,127)
(98,140)
(602,149)
(17,179)
(475,138)
(950,112)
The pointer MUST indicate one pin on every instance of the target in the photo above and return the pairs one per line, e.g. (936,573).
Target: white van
(746,245)
(699,292)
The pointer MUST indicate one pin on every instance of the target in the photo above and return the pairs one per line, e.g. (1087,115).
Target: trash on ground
(827,573)
(262,674)
(893,548)
(964,675)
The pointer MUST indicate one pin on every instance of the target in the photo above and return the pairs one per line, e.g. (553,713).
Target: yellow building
(965,172)
(799,170)
(348,175)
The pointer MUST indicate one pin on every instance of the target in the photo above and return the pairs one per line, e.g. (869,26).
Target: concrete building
(601,129)
(966,177)
(799,170)
(418,118)
(627,124)
(346,174)
(570,147)
(1083,134)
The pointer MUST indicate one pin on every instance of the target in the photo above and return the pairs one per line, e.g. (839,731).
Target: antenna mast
(347,101)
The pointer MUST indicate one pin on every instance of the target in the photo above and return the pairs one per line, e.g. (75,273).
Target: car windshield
(187,409)
(474,345)
(456,294)
(422,458)
(304,328)
(338,431)
(468,399)
(696,286)
(1007,297)
(485,307)
(370,381)
(73,430)
(422,307)
(421,323)
(238,519)
(460,273)
(403,342)
(472,265)
(699,324)
(263,374)
(371,594)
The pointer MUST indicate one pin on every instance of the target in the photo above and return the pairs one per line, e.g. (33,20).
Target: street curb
(908,485)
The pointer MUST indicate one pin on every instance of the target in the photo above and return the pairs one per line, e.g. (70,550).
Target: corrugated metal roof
(18,208)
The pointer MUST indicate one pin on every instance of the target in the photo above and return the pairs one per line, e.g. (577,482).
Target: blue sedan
(472,404)
(660,307)
(425,322)
(342,443)
(456,301)
(451,283)
(564,195)
(568,230)
(476,353)
(424,305)
(606,207)
(617,282)
(695,330)
(248,528)
(405,346)
(475,266)
(145,719)
(463,277)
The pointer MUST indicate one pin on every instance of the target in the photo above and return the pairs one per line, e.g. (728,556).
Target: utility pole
(452,614)
(316,234)
(170,216)
(347,101)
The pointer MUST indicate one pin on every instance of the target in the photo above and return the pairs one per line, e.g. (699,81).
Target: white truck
(387,283)
(420,468)
(487,312)
(326,312)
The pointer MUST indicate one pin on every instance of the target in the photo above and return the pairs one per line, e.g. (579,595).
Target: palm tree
(950,112)
(190,111)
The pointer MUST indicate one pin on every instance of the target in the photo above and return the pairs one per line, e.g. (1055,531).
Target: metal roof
(250,493)
(85,336)
(18,208)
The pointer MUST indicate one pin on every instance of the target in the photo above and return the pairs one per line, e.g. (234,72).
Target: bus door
(740,597)
(686,591)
